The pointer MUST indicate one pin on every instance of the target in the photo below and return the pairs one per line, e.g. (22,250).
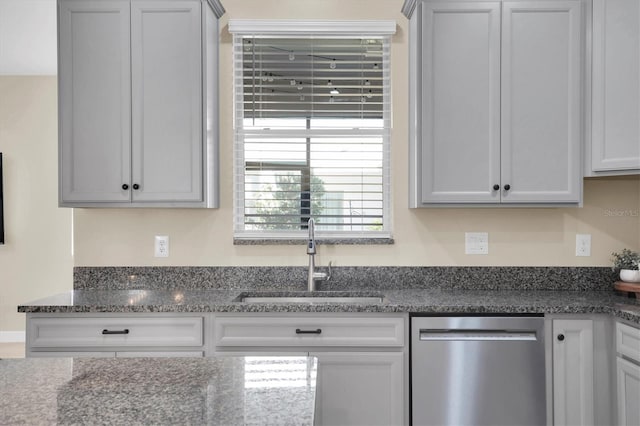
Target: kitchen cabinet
(573,372)
(138,103)
(114,335)
(628,374)
(362,360)
(364,388)
(583,382)
(615,134)
(495,103)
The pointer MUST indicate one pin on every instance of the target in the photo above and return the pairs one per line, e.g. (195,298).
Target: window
(312,129)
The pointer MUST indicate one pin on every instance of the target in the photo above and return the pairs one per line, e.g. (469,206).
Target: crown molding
(302,27)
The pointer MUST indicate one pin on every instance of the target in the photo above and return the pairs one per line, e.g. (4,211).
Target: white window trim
(359,28)
(306,27)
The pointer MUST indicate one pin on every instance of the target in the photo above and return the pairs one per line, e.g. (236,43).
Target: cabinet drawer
(120,331)
(260,330)
(163,354)
(628,341)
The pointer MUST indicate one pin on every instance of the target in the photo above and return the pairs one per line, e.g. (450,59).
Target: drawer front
(163,354)
(121,331)
(258,330)
(628,341)
(67,354)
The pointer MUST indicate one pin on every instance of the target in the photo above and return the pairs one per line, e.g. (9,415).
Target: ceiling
(28,37)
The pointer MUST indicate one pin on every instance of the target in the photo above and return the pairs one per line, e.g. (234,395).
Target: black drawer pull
(125,331)
(316,331)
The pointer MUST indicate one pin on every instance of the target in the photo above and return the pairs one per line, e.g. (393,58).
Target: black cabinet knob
(507,187)
(496,187)
(136,186)
(125,186)
(561,337)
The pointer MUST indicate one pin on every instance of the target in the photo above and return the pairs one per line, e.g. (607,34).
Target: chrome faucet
(311,251)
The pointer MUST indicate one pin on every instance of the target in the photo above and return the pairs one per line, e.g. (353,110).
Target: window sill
(303,241)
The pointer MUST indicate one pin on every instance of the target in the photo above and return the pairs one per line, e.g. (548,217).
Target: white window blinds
(312,124)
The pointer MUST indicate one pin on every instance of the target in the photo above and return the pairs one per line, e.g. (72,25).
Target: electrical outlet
(161,246)
(583,244)
(476,243)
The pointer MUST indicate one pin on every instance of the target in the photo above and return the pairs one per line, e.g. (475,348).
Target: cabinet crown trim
(217,7)
(325,27)
(409,7)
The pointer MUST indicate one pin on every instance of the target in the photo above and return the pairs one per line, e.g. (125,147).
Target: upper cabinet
(495,102)
(138,103)
(615,121)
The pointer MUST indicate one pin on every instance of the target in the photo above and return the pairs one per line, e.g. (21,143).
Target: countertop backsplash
(345,278)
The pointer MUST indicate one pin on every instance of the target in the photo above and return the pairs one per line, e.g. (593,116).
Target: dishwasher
(472,370)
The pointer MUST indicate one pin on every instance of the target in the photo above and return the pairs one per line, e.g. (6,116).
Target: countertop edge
(618,309)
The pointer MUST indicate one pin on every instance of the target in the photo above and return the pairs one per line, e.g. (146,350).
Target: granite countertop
(412,301)
(202,391)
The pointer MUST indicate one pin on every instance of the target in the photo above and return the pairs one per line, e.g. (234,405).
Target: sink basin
(325,297)
(311,299)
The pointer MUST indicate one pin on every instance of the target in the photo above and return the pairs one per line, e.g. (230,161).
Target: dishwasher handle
(464,335)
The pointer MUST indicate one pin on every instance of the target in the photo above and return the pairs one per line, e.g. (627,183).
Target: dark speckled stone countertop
(161,391)
(411,300)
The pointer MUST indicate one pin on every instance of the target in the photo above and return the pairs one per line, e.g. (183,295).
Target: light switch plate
(476,243)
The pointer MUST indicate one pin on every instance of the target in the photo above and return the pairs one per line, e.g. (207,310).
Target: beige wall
(36,260)
(423,237)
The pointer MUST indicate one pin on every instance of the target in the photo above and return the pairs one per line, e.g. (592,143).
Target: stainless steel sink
(309,297)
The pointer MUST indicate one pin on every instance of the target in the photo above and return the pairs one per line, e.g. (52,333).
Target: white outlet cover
(476,243)
(583,245)
(161,246)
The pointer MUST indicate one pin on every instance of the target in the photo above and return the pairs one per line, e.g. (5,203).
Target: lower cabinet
(363,376)
(109,335)
(628,374)
(362,359)
(573,372)
(583,390)
(359,388)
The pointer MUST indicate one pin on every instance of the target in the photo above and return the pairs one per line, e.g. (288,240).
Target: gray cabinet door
(360,388)
(572,371)
(499,92)
(94,101)
(628,378)
(460,76)
(167,147)
(616,86)
(541,95)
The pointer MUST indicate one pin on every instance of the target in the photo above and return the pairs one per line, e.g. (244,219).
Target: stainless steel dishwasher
(478,371)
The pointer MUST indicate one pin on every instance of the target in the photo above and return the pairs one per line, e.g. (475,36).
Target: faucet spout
(314,276)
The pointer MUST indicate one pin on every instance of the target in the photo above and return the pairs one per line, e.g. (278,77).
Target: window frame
(302,29)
